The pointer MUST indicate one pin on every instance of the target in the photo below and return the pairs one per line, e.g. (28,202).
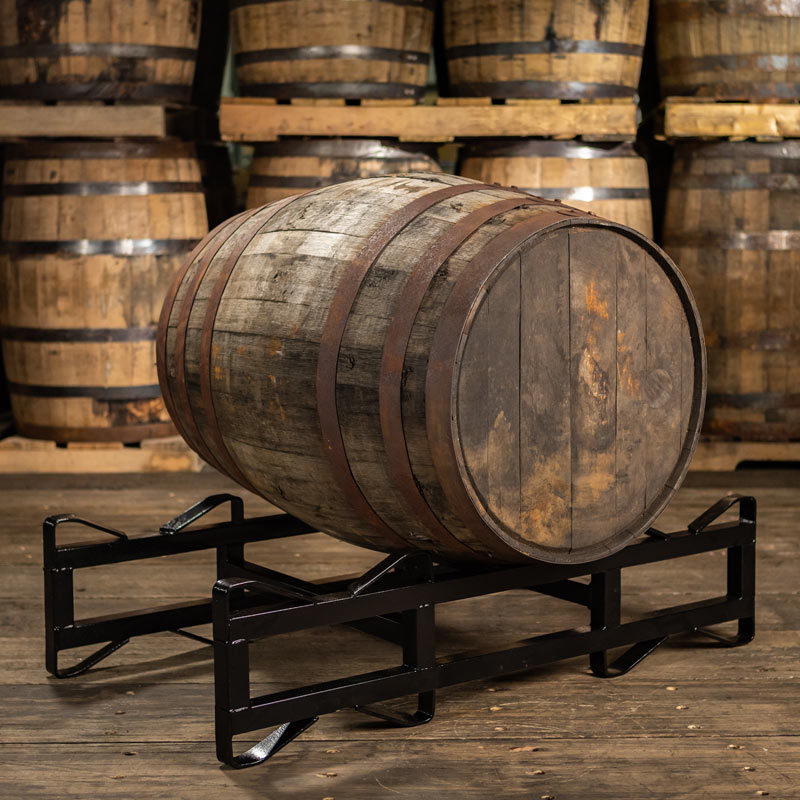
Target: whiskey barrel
(93,233)
(281,169)
(729,49)
(733,226)
(569,49)
(609,180)
(427,361)
(350,49)
(103,49)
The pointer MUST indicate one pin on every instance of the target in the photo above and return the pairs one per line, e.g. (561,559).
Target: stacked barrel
(733,214)
(93,230)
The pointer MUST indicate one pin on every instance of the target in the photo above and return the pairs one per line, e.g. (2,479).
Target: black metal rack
(395,600)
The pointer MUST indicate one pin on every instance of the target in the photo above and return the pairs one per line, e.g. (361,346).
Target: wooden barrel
(729,49)
(93,234)
(285,168)
(347,48)
(733,226)
(427,361)
(102,49)
(544,48)
(609,180)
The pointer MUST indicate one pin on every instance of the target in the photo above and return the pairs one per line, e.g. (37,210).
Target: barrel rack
(395,600)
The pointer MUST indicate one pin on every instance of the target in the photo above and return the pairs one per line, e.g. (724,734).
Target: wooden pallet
(18,454)
(718,455)
(247,119)
(701,118)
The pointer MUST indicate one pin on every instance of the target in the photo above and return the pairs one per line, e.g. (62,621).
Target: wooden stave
(142,278)
(273,177)
(348,58)
(628,204)
(685,68)
(481,62)
(734,410)
(352,533)
(161,70)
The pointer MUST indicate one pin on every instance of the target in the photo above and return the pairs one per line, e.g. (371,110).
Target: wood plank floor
(692,721)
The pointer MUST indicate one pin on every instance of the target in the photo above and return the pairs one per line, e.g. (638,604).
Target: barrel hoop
(762,400)
(115,433)
(681,10)
(331,341)
(116,150)
(86,188)
(101,247)
(20,334)
(353,90)
(181,398)
(754,340)
(360,52)
(428,5)
(751,61)
(565,90)
(97,50)
(548,148)
(96,392)
(761,180)
(481,49)
(736,240)
(207,340)
(96,90)
(345,148)
(161,336)
(393,359)
(589,193)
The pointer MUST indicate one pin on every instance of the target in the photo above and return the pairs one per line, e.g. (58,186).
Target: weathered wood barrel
(350,49)
(733,226)
(609,180)
(93,233)
(281,169)
(729,49)
(570,49)
(427,361)
(98,49)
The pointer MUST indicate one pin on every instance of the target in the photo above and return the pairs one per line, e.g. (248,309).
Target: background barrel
(285,168)
(609,180)
(556,48)
(733,226)
(729,49)
(92,236)
(323,48)
(427,361)
(137,50)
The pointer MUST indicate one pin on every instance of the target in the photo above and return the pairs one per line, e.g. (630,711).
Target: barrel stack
(733,214)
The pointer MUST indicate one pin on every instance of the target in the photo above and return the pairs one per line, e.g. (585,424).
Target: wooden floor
(692,721)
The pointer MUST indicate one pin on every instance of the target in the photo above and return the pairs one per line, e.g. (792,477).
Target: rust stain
(276,399)
(274,347)
(593,377)
(218,373)
(594,305)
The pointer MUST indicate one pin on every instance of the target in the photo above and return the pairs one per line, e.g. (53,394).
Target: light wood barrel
(544,48)
(93,234)
(344,48)
(733,226)
(729,49)
(281,169)
(609,180)
(103,49)
(427,361)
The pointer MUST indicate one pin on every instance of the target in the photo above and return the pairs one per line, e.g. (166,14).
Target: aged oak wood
(730,49)
(308,48)
(360,355)
(260,120)
(733,226)
(691,118)
(81,119)
(609,180)
(141,50)
(544,48)
(92,235)
(282,169)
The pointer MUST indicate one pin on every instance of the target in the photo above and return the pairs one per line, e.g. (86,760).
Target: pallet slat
(75,119)
(687,117)
(719,456)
